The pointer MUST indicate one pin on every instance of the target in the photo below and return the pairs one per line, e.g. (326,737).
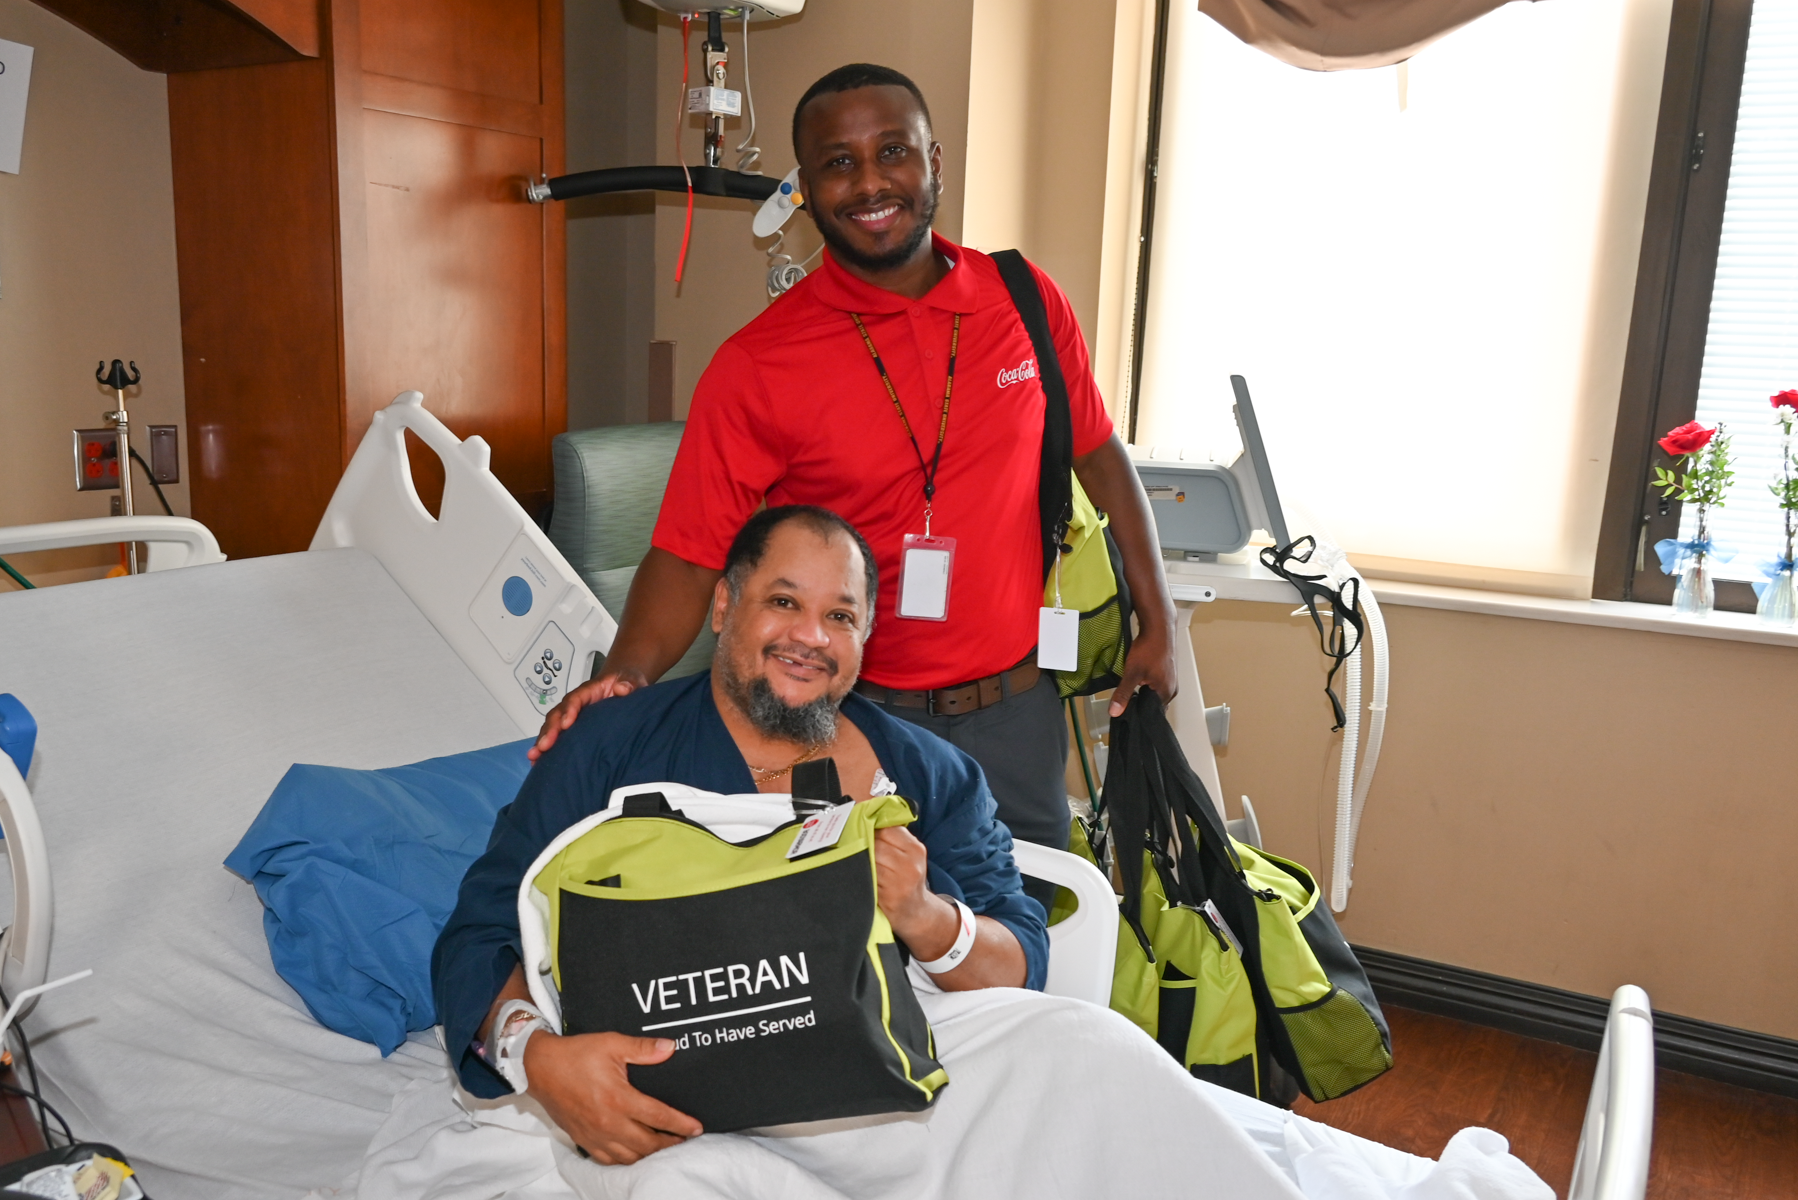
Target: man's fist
(920,918)
(581,1082)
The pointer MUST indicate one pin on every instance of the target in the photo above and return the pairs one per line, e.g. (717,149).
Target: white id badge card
(924,569)
(1058,639)
(821,830)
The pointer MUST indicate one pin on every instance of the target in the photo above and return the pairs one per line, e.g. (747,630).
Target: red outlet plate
(96,459)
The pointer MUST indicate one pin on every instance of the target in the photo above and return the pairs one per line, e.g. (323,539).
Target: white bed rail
(25,948)
(1082,948)
(482,573)
(1614,1144)
(172,541)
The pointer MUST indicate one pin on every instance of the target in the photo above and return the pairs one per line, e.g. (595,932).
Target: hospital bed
(171,703)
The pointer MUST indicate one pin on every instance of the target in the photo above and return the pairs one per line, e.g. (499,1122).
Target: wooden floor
(1711,1140)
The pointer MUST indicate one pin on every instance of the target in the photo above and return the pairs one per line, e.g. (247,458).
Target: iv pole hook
(117,379)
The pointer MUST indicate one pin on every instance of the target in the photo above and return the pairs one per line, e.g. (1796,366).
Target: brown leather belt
(963,698)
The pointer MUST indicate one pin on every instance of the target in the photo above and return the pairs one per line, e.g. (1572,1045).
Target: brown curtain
(1343,35)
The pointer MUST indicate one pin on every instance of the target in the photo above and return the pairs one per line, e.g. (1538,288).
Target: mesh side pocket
(1337,1043)
(1102,651)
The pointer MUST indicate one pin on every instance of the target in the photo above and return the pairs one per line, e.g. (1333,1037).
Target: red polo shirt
(792,410)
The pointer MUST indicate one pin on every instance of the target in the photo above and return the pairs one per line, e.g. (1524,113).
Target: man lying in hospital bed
(1047,1096)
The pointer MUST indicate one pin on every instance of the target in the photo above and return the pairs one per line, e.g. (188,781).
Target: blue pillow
(358,871)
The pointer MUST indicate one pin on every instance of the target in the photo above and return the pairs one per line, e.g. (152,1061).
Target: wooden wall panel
(456,282)
(355,226)
(486,46)
(197,35)
(255,234)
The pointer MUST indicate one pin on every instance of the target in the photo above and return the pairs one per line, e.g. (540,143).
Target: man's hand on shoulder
(604,687)
(581,1081)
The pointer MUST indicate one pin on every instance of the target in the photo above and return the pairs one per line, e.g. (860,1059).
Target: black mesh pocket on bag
(1103,647)
(1337,1043)
(1104,636)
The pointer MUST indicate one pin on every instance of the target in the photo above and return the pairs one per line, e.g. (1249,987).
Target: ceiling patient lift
(780,198)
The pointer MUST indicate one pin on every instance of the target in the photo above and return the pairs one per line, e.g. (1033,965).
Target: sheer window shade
(1425,272)
(1751,349)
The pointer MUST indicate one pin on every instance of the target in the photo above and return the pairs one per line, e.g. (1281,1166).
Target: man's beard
(897,256)
(810,724)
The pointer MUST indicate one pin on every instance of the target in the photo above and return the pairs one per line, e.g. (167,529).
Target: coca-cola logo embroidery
(1018,374)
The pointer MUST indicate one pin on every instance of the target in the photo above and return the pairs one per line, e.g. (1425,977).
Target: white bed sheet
(1048,1097)
(169,705)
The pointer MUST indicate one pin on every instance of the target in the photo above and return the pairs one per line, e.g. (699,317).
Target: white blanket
(1048,1097)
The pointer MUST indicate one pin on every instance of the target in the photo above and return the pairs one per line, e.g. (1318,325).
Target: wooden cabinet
(351,222)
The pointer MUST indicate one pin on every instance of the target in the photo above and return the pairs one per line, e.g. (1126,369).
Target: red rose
(1785,399)
(1689,438)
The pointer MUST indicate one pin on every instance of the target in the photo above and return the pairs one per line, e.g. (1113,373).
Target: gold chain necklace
(764,774)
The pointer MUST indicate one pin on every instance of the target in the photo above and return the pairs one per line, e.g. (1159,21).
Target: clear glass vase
(1779,600)
(1695,592)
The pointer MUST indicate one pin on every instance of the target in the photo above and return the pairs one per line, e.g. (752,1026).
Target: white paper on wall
(15,81)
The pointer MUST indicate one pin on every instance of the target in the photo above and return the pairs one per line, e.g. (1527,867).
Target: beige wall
(87,271)
(611,84)
(1575,806)
(1039,123)
(725,282)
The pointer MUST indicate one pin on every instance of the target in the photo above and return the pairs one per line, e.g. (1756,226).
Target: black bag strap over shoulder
(647,804)
(1055,489)
(815,786)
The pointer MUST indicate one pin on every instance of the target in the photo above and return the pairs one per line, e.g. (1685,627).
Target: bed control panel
(546,670)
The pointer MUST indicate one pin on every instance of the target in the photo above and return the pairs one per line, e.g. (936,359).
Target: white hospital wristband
(964,942)
(517,1021)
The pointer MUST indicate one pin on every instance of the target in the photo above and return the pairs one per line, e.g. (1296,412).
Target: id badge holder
(1058,632)
(925,566)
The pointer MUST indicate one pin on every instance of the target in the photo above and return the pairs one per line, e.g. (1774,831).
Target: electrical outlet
(165,454)
(96,459)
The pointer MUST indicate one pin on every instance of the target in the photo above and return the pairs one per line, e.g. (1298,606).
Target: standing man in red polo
(897,386)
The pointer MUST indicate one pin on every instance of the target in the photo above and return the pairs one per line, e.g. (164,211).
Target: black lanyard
(942,429)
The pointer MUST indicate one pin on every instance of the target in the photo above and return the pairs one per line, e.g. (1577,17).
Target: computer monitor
(1257,479)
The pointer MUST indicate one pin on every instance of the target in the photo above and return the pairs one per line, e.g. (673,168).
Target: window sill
(1252,581)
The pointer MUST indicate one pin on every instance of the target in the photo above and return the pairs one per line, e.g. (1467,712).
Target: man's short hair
(751,544)
(853,76)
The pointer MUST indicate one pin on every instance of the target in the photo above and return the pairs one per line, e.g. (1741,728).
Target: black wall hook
(116,379)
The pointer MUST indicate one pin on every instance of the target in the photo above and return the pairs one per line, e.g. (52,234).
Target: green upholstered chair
(609,485)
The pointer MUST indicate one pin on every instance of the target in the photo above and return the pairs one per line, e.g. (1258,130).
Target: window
(1751,345)
(1425,272)
(1687,355)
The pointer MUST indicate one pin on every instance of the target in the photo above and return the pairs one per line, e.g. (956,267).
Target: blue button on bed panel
(516,594)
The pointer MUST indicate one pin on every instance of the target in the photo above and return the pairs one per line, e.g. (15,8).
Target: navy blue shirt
(672,733)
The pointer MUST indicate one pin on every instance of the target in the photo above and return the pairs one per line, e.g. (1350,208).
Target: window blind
(1426,274)
(1751,348)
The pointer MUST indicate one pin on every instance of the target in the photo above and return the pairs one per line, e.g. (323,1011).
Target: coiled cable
(783,272)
